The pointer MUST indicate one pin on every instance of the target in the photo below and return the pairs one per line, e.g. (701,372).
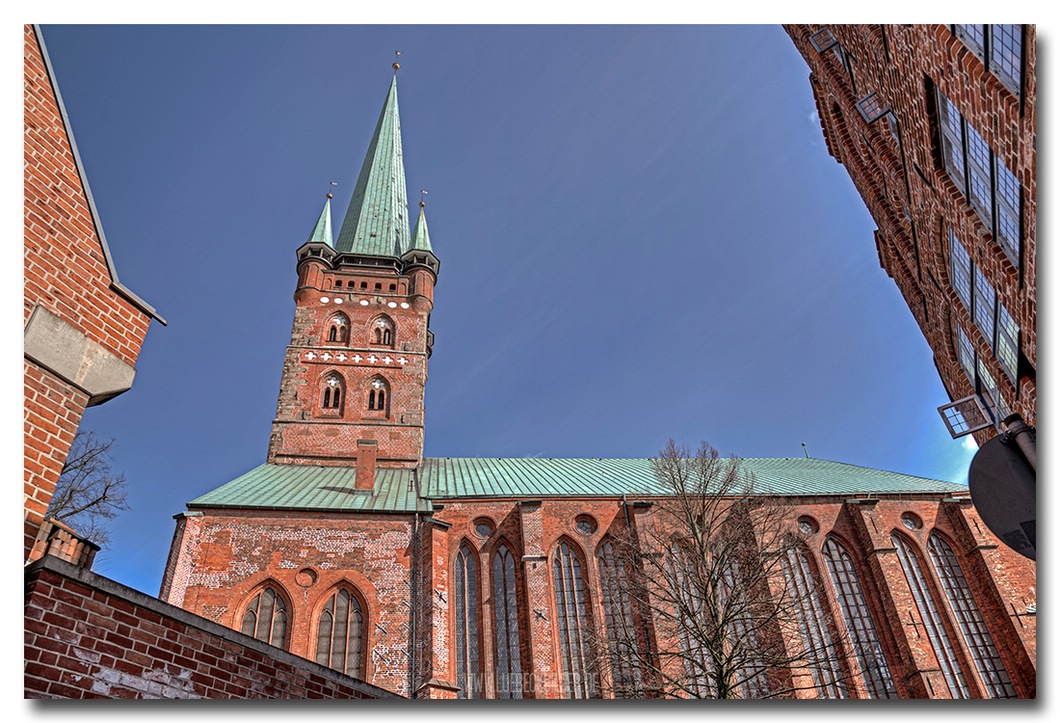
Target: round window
(483,527)
(807,525)
(585,524)
(911,521)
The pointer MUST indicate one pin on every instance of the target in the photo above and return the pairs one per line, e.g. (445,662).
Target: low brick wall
(87,636)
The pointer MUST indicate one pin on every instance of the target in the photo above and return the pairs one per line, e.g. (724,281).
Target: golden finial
(329,190)
(422,194)
(396,66)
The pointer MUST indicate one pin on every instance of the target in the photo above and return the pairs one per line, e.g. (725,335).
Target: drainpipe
(1025,437)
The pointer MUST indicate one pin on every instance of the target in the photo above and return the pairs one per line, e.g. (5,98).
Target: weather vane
(422,194)
(396,66)
(332,183)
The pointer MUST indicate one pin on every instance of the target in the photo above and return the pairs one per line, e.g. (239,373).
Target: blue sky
(641,236)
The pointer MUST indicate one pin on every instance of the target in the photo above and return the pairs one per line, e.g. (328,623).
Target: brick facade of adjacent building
(898,163)
(83,329)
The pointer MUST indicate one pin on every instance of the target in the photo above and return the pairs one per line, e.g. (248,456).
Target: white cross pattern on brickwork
(402,361)
(310,355)
(332,381)
(357,358)
(325,356)
(377,384)
(373,359)
(341,357)
(387,360)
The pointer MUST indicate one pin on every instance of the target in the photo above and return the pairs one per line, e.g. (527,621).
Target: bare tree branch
(723,602)
(89,492)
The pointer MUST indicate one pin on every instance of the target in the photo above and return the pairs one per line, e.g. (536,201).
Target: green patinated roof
(322,231)
(332,488)
(376,222)
(309,487)
(421,238)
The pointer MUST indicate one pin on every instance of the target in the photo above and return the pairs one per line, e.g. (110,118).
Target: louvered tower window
(340,634)
(331,397)
(266,618)
(861,631)
(996,683)
(618,622)
(506,627)
(573,623)
(466,601)
(940,641)
(818,649)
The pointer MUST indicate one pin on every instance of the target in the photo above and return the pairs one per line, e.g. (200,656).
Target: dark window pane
(1007,342)
(960,271)
(985,305)
(1007,209)
(1006,54)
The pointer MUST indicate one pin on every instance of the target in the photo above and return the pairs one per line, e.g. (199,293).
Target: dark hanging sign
(1004,493)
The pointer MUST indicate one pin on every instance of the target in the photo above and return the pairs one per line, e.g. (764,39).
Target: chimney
(58,539)
(367,449)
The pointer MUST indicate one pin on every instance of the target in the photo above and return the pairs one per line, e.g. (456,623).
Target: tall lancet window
(937,636)
(572,620)
(818,649)
(340,633)
(509,676)
(622,638)
(996,683)
(332,394)
(861,631)
(265,618)
(690,626)
(378,393)
(468,678)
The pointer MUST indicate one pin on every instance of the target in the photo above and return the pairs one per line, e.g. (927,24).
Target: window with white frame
(985,180)
(1000,47)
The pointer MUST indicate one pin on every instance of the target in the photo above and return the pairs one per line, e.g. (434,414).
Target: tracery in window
(382,332)
(509,679)
(340,633)
(332,393)
(338,329)
(970,622)
(378,395)
(622,637)
(938,637)
(265,618)
(465,598)
(862,633)
(819,650)
(573,623)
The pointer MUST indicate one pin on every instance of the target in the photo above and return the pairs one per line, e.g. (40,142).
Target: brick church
(503,578)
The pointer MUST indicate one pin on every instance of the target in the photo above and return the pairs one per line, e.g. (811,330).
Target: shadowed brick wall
(90,637)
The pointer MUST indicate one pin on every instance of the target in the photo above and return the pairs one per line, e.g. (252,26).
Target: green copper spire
(376,222)
(421,238)
(322,231)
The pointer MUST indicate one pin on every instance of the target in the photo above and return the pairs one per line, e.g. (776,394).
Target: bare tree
(721,600)
(89,493)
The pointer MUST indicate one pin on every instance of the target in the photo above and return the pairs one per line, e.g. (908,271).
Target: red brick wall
(223,558)
(230,553)
(897,61)
(66,273)
(89,637)
(306,433)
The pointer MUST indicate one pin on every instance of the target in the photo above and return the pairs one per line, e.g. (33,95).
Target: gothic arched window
(332,393)
(572,619)
(340,633)
(622,637)
(382,332)
(378,395)
(338,329)
(689,623)
(465,599)
(996,683)
(925,603)
(509,680)
(818,649)
(863,638)
(265,618)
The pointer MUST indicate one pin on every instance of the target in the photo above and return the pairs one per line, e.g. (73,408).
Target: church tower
(353,379)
